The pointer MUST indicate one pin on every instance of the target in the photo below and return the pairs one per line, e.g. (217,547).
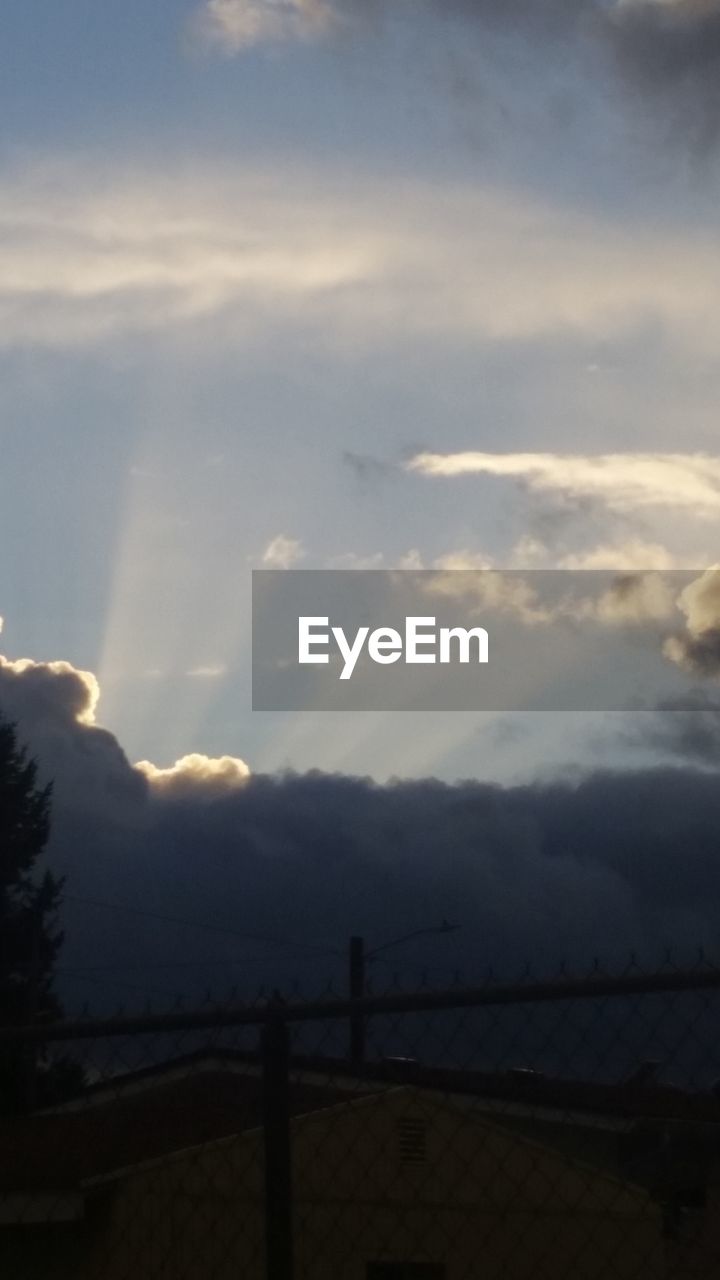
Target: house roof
(630,1100)
(201,1097)
(398,1098)
(123,1124)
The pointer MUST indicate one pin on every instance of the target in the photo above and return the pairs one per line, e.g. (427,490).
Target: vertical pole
(357,991)
(278,1171)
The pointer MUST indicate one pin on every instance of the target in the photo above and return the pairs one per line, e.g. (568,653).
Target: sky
(320,284)
(259,255)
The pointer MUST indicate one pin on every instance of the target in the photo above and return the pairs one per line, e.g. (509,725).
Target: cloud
(687,730)
(368,470)
(698,650)
(605,863)
(196,775)
(631,554)
(89,256)
(463,559)
(355,560)
(700,602)
(53,690)
(667,52)
(282,553)
(489,590)
(632,600)
(56,704)
(622,482)
(235,25)
(671,50)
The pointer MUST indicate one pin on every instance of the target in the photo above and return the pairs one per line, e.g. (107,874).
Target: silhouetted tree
(29,937)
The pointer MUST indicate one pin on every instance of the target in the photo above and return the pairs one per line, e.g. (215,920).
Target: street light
(358,959)
(445,927)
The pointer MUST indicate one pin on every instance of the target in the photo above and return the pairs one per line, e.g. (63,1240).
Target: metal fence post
(278,1170)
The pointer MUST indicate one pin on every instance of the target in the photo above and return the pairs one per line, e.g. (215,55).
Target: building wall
(395,1178)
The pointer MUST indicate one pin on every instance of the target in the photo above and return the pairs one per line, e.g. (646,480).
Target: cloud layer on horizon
(605,863)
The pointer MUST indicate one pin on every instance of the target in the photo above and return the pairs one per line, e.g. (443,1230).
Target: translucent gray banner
(483,640)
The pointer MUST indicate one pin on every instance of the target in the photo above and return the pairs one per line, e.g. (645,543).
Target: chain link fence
(567,1129)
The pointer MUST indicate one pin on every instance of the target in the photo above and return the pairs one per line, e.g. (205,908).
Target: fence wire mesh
(559,1130)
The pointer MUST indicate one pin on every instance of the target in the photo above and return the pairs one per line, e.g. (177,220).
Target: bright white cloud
(633,554)
(55,683)
(239,24)
(698,649)
(462,560)
(633,600)
(57,702)
(282,553)
(355,560)
(87,255)
(194,772)
(700,602)
(620,481)
(490,590)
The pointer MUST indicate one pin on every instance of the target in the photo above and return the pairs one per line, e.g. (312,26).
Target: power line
(445,927)
(219,962)
(266,939)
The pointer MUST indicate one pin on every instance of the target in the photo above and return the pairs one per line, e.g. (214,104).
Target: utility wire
(293,943)
(219,962)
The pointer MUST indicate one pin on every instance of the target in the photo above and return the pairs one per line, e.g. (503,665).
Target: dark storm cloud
(614,862)
(667,43)
(666,53)
(658,42)
(671,53)
(680,731)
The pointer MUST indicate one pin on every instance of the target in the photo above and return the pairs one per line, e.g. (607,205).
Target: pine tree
(29,938)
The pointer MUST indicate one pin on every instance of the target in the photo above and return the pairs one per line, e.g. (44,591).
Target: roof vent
(412,1140)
